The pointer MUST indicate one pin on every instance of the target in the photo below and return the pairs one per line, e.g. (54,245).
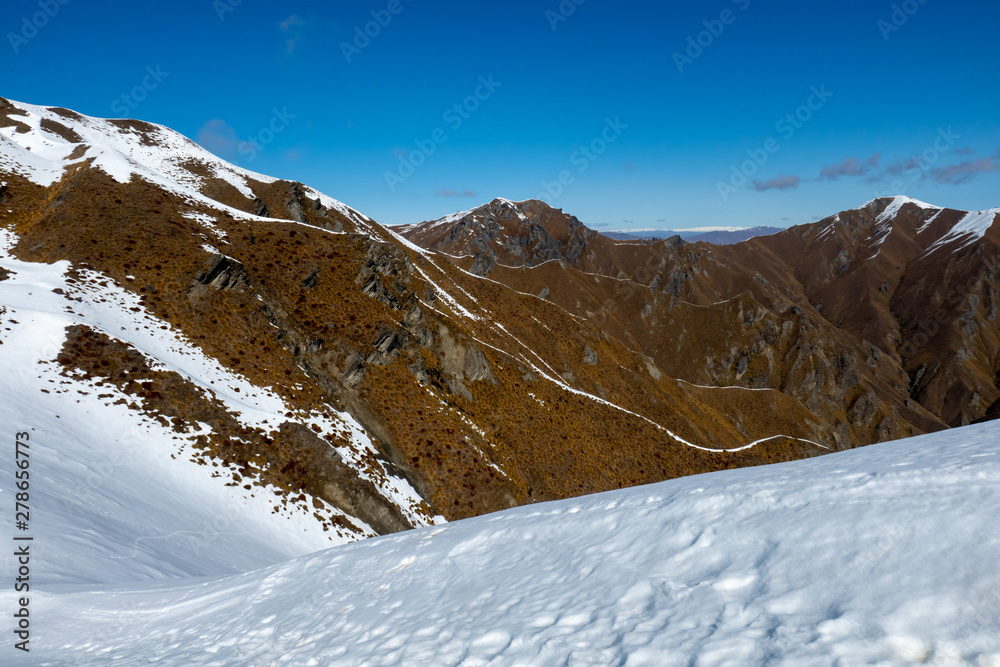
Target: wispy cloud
(453,193)
(850,167)
(903,166)
(218,137)
(291,28)
(916,167)
(964,172)
(628,165)
(779,183)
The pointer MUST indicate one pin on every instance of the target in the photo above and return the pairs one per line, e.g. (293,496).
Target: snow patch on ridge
(458,216)
(122,152)
(929,221)
(972,227)
(17,159)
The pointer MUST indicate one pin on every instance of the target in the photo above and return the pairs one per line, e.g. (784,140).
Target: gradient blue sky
(228,65)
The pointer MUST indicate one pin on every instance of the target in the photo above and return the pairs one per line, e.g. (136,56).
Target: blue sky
(626,114)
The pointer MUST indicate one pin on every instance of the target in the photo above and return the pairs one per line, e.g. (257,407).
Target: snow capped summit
(966,227)
(938,227)
(506,232)
(41,143)
(898,201)
(122,148)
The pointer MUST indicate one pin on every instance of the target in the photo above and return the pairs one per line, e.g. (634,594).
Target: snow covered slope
(116,496)
(882,555)
(46,141)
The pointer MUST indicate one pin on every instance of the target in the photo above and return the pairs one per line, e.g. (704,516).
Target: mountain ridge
(786,283)
(529,358)
(423,372)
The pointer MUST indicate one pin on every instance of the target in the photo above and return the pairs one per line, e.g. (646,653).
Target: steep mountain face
(303,352)
(913,282)
(882,320)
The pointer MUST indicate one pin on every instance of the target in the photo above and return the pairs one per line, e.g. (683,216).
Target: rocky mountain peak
(525,233)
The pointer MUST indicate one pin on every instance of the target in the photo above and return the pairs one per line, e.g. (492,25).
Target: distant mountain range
(717,237)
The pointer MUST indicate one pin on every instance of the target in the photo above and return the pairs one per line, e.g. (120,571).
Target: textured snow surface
(883,555)
(17,159)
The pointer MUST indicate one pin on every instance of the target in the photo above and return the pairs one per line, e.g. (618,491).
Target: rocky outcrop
(991,414)
(326,475)
(486,261)
(222,273)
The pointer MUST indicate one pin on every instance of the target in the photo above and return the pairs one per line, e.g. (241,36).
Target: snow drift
(882,555)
